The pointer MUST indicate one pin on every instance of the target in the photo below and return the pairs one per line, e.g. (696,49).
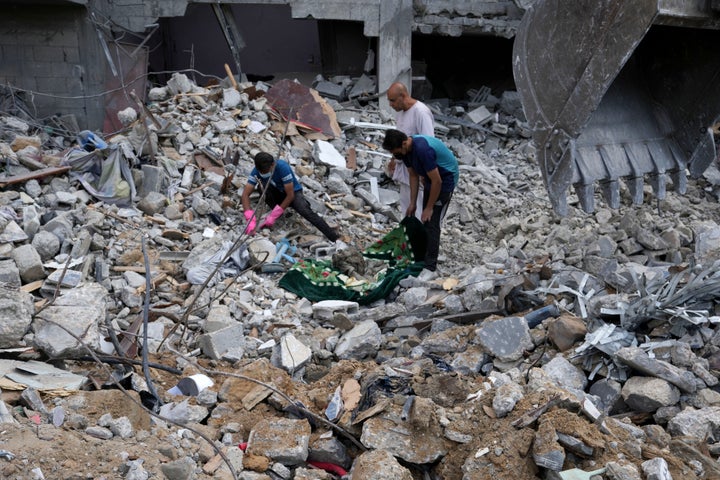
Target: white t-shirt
(416,120)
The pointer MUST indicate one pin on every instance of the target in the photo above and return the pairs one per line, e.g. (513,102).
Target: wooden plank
(45,172)
(351,161)
(31,287)
(361,214)
(154,282)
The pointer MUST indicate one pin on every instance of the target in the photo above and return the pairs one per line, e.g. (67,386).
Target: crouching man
(282,190)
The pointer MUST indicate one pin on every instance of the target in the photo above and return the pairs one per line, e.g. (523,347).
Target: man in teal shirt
(429,159)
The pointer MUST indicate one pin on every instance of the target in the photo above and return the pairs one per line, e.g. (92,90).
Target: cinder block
(62,70)
(71,53)
(325,309)
(39,69)
(49,54)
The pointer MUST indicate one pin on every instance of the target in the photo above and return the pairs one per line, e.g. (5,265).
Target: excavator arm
(615,92)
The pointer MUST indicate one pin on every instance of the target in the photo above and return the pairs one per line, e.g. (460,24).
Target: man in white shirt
(413,117)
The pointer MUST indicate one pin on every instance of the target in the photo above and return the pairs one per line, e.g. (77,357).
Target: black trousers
(274,196)
(432,227)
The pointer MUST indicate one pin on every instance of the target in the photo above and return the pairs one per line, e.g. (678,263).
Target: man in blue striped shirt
(429,159)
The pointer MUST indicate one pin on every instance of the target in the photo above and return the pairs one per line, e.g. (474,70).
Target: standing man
(282,190)
(429,159)
(414,118)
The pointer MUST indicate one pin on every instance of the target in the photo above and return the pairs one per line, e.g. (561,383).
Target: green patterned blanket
(400,252)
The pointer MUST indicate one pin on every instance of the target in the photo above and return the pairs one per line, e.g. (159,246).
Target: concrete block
(218,317)
(293,354)
(325,309)
(81,311)
(505,338)
(61,226)
(329,450)
(9,273)
(13,233)
(480,115)
(656,469)
(325,153)
(363,341)
(647,394)
(29,263)
(216,344)
(31,220)
(282,440)
(375,464)
(153,179)
(16,311)
(565,374)
(330,90)
(152,203)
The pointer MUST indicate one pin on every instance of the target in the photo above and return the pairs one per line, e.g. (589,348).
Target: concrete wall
(54,55)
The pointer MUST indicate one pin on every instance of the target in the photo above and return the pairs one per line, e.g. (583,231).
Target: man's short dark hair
(393,139)
(263,161)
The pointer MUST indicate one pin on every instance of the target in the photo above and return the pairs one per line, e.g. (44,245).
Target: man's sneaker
(427,275)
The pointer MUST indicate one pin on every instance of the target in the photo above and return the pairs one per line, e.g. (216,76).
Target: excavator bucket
(618,91)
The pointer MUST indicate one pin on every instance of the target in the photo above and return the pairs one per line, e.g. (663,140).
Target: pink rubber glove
(252,221)
(274,215)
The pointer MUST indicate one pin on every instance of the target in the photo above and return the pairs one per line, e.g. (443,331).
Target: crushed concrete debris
(546,347)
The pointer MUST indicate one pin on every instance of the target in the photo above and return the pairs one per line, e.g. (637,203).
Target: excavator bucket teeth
(611,96)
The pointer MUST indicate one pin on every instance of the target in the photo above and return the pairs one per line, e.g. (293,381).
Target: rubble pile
(545,344)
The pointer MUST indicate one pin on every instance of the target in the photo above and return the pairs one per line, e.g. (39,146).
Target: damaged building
(571,330)
(81,55)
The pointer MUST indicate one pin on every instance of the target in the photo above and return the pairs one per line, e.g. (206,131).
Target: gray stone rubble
(450,378)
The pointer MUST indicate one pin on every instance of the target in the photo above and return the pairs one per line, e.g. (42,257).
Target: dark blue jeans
(433,227)
(274,196)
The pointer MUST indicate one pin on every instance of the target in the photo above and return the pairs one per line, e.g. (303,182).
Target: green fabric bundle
(402,249)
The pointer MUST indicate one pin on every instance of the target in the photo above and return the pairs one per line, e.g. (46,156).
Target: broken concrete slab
(282,440)
(218,343)
(505,338)
(402,440)
(40,376)
(81,311)
(292,353)
(326,154)
(378,464)
(636,358)
(16,312)
(361,342)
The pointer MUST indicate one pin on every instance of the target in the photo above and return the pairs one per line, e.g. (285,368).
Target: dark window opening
(454,65)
